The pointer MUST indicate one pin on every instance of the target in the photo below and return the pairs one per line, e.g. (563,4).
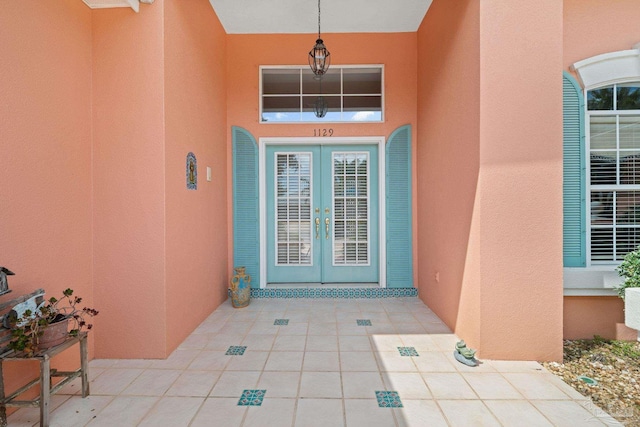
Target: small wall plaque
(192,172)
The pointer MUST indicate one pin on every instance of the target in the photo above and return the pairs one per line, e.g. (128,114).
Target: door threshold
(321,285)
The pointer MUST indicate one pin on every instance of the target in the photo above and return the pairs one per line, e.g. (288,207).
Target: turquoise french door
(322,214)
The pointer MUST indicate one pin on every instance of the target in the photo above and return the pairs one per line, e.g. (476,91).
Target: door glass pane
(293,201)
(350,208)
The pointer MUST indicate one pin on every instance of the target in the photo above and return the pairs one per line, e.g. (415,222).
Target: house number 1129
(323,132)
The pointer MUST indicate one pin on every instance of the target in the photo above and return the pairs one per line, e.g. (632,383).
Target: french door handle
(326,227)
(317,228)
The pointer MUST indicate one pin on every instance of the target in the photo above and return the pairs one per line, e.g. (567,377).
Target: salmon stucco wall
(448,163)
(129,182)
(494,276)
(45,146)
(521,178)
(160,249)
(587,32)
(586,317)
(593,27)
(195,120)
(246,53)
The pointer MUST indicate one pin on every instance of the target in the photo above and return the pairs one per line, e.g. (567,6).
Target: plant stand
(46,374)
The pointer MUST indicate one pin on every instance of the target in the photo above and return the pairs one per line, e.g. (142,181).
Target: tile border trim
(347,293)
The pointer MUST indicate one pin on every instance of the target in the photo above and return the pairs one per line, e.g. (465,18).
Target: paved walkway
(321,362)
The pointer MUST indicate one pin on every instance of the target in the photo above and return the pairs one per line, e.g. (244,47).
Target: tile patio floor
(317,362)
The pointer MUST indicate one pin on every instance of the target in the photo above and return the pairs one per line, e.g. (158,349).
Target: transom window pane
(614,178)
(352,94)
(280,82)
(362,81)
(328,85)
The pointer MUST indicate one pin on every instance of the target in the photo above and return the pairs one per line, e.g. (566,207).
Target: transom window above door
(352,93)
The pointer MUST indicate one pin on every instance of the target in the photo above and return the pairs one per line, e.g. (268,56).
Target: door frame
(355,141)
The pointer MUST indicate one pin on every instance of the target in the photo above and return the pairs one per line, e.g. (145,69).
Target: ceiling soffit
(338,16)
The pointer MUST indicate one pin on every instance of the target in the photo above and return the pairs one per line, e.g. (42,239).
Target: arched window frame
(613,171)
(584,278)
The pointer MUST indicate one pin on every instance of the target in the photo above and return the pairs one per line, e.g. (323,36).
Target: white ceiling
(338,16)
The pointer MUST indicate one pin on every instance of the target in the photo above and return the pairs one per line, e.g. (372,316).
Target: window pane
(628,96)
(362,103)
(282,253)
(330,83)
(630,167)
(280,109)
(280,82)
(332,116)
(602,244)
(630,132)
(362,81)
(603,168)
(600,99)
(602,207)
(603,132)
(362,186)
(627,240)
(628,207)
(281,104)
(363,253)
(333,113)
(362,108)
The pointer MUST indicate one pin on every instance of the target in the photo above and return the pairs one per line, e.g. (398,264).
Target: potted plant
(629,290)
(48,324)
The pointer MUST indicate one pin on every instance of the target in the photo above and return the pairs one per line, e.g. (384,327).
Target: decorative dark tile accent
(236,350)
(408,351)
(251,398)
(363,322)
(388,399)
(281,322)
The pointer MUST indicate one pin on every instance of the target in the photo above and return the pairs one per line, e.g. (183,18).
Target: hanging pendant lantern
(319,56)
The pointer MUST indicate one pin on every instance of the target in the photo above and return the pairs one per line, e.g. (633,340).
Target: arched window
(613,178)
(609,156)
